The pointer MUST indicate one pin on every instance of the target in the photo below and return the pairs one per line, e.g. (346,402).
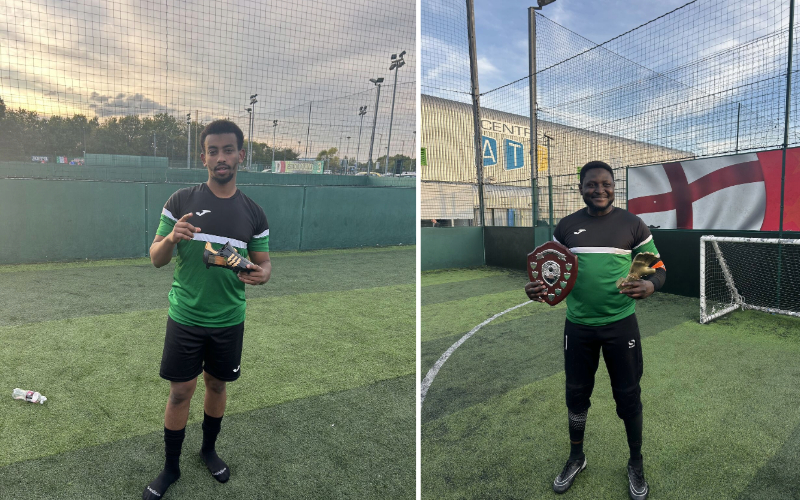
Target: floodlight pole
(252,111)
(189,140)
(249,132)
(308,132)
(274,128)
(476,114)
(397,62)
(534,119)
(374,121)
(785,144)
(534,146)
(347,155)
(361,111)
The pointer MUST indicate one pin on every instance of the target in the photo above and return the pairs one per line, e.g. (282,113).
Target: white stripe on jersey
(618,251)
(649,238)
(219,239)
(261,235)
(168,214)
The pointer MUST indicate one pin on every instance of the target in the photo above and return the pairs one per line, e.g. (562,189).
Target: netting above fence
(706,79)
(143,78)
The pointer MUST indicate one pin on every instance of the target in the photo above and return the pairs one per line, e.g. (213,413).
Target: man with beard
(205,324)
(601,316)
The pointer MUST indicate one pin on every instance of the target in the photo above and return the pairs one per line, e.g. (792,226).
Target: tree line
(25,134)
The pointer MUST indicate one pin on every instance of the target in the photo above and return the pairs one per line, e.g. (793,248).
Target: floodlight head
(380,80)
(274,123)
(542,3)
(253,96)
(248,109)
(402,54)
(394,56)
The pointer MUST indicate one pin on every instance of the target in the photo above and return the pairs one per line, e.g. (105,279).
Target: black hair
(595,164)
(222,127)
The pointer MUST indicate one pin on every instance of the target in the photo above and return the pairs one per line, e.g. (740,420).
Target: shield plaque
(555,266)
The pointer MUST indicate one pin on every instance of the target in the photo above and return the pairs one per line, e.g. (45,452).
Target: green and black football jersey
(212,297)
(605,247)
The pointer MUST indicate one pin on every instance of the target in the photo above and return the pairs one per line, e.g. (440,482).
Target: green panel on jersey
(192,302)
(650,246)
(595,299)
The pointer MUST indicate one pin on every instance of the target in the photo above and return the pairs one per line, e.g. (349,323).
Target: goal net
(748,273)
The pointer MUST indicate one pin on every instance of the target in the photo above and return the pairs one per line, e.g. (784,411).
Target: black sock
(633,428)
(173,441)
(577,425)
(219,469)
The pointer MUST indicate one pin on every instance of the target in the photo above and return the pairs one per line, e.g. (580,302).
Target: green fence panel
(150,170)
(450,247)
(56,221)
(508,246)
(391,181)
(679,249)
(283,206)
(344,217)
(70,220)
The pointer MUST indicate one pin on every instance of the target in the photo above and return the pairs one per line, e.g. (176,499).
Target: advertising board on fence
(297,167)
(739,192)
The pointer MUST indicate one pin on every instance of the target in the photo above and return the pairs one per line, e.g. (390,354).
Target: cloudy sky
(501,29)
(697,76)
(120,57)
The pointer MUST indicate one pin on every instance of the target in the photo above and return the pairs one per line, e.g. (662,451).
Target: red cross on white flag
(741,192)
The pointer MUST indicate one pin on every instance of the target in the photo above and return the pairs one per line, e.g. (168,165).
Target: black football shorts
(189,350)
(621,346)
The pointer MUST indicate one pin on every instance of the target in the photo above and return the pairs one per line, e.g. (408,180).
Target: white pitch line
(428,380)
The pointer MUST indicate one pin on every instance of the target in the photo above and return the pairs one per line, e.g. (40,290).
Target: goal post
(749,273)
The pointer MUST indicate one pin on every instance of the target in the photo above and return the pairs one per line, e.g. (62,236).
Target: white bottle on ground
(29,396)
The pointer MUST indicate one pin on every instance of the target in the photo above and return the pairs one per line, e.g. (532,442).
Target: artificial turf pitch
(721,401)
(324,407)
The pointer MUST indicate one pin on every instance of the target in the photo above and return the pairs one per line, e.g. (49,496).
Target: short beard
(224,180)
(589,203)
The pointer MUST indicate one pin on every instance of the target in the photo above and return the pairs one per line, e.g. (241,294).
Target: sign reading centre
(514,153)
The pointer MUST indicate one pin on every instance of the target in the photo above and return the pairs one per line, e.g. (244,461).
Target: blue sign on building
(515,155)
(489,151)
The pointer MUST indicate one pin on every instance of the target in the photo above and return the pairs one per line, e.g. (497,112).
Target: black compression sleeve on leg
(173,442)
(218,468)
(633,428)
(577,425)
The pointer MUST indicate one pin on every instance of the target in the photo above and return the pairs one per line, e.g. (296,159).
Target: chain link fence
(144,78)
(706,79)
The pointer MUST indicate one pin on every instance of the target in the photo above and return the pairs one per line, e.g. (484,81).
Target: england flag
(741,192)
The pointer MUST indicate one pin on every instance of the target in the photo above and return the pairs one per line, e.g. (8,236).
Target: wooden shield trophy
(555,266)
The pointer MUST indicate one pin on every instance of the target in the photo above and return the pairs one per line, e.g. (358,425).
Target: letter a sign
(489,151)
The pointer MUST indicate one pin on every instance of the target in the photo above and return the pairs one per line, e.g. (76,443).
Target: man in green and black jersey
(602,317)
(205,324)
